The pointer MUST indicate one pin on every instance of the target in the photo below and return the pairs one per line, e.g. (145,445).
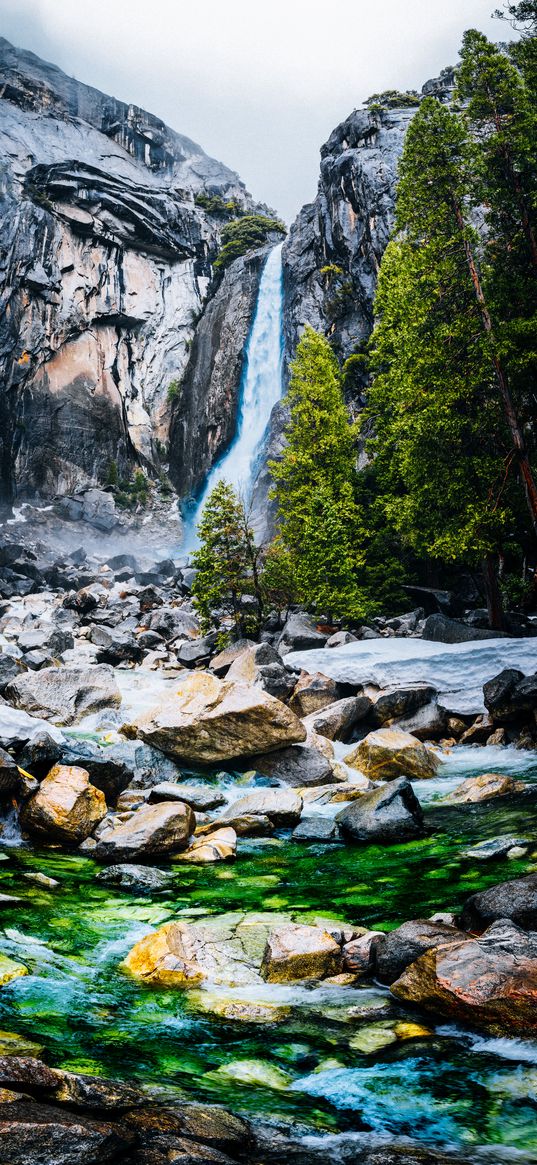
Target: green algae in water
(90,1017)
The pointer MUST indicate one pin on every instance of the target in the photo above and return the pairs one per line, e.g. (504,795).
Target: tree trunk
(493,593)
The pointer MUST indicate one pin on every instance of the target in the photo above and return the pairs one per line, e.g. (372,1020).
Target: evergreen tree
(321,526)
(227,565)
(447,432)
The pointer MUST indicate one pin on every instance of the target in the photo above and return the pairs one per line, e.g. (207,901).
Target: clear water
(260,390)
(452,1089)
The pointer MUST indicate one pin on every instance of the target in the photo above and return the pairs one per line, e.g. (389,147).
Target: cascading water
(260,390)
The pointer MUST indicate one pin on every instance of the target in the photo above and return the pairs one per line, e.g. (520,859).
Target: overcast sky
(259,85)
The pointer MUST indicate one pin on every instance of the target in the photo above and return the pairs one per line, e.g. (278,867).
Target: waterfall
(260,390)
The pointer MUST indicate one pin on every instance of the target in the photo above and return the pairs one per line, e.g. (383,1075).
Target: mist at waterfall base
(260,390)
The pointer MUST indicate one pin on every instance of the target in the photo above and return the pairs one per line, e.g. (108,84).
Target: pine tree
(227,566)
(321,526)
(447,434)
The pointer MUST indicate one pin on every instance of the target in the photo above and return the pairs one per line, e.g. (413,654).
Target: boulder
(152,830)
(510,695)
(17,727)
(110,767)
(282,806)
(340,639)
(221,662)
(260,664)
(488,982)
(317,828)
(226,950)
(389,753)
(392,953)
(295,952)
(297,766)
(173,623)
(41,1134)
(66,807)
(121,647)
(391,813)
(9,670)
(428,723)
(195,651)
(483,788)
(440,629)
(358,955)
(516,900)
(394,703)
(9,774)
(65,694)
(496,847)
(200,797)
(337,720)
(312,693)
(142,879)
(299,634)
(250,824)
(209,721)
(217,846)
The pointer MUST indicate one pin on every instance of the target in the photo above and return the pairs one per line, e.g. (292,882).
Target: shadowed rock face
(106,264)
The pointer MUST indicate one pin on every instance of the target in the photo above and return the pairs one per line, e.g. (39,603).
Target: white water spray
(260,390)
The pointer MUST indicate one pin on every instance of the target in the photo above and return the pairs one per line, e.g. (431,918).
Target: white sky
(259,86)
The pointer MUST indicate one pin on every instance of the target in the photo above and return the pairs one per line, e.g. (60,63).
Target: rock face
(390,753)
(516,900)
(65,695)
(489,982)
(391,813)
(394,952)
(210,721)
(108,261)
(66,806)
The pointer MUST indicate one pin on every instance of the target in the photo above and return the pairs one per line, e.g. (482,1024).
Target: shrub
(244,234)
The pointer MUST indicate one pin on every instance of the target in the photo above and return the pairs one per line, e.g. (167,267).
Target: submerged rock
(391,813)
(489,982)
(484,788)
(152,830)
(209,721)
(65,694)
(496,847)
(66,807)
(128,876)
(10,970)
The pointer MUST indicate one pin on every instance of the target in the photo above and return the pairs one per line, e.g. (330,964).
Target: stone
(483,788)
(251,824)
(392,953)
(227,950)
(66,807)
(394,703)
(195,651)
(9,669)
(488,982)
(340,638)
(357,954)
(510,695)
(478,732)
(128,876)
(13,1044)
(17,727)
(515,900)
(151,831)
(316,829)
(210,721)
(440,629)
(65,694)
(313,693)
(391,813)
(296,952)
(337,720)
(9,774)
(10,970)
(260,664)
(40,1134)
(174,623)
(300,634)
(201,797)
(218,846)
(428,723)
(388,753)
(221,662)
(282,806)
(255,1073)
(239,1010)
(298,766)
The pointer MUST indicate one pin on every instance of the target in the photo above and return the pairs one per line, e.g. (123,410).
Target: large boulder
(299,634)
(394,703)
(392,953)
(17,727)
(484,788)
(150,831)
(227,950)
(210,721)
(260,664)
(65,695)
(516,900)
(510,695)
(219,845)
(389,753)
(66,807)
(282,806)
(391,813)
(440,629)
(488,982)
(297,766)
(337,720)
(295,952)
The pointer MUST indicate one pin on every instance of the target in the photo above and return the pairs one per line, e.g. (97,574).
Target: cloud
(259,86)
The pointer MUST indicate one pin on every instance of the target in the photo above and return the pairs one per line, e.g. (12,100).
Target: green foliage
(112,476)
(217,206)
(393,99)
(279,586)
(245,234)
(227,566)
(321,526)
(174,391)
(523,16)
(338,290)
(133,493)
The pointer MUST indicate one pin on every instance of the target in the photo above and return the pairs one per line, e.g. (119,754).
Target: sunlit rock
(390,753)
(66,807)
